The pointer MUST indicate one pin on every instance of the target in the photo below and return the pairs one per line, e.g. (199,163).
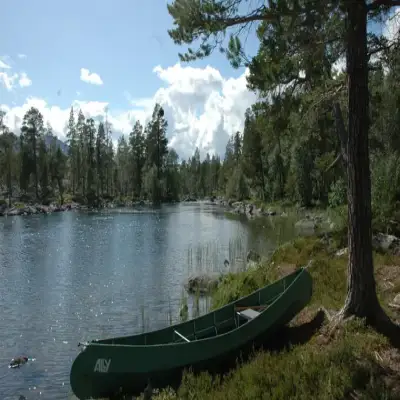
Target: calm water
(75,276)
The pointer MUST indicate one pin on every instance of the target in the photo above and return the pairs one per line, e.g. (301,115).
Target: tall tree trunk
(35,168)
(361,298)
(9,176)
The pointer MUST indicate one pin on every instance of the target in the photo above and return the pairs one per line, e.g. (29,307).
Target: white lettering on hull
(102,365)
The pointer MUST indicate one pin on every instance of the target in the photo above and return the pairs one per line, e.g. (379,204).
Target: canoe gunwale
(232,304)
(164,360)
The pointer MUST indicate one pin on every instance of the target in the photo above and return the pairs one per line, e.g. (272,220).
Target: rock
(316,218)
(31,210)
(270,213)
(341,252)
(190,199)
(306,224)
(251,264)
(203,284)
(396,300)
(3,209)
(42,209)
(37,208)
(253,256)
(15,211)
(385,242)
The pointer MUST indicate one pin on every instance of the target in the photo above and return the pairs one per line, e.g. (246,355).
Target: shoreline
(319,358)
(24,210)
(307,219)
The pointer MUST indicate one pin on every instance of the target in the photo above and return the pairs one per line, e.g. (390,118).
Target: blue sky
(121,42)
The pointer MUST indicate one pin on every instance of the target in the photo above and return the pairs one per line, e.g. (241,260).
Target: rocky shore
(36,209)
(204,284)
(308,222)
(244,208)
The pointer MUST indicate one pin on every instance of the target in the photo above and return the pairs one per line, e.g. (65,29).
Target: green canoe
(105,367)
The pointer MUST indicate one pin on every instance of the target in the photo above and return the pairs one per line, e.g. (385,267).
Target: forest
(289,150)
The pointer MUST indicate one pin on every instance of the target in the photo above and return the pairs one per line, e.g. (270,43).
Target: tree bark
(341,132)
(361,298)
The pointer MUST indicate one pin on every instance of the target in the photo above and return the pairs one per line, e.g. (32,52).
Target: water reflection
(72,276)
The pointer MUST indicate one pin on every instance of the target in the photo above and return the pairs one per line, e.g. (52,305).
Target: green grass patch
(356,364)
(340,370)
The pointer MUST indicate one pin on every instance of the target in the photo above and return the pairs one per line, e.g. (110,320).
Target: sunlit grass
(357,364)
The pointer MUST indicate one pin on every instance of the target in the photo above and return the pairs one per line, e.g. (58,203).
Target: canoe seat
(249,314)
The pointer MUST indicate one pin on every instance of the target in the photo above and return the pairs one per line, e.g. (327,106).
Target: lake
(75,276)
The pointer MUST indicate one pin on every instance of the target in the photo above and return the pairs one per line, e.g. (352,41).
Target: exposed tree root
(378,320)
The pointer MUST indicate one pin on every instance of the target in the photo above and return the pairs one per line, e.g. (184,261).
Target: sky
(116,56)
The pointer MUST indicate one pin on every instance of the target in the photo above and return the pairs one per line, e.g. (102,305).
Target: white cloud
(8,81)
(24,80)
(392,26)
(90,77)
(21,56)
(339,66)
(202,107)
(3,65)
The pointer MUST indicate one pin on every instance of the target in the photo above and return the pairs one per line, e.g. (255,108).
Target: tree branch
(258,15)
(379,3)
(381,48)
(335,162)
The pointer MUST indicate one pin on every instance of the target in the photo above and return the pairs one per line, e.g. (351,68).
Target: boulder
(306,225)
(203,284)
(384,242)
(253,256)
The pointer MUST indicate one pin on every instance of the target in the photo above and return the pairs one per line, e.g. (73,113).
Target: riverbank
(23,209)
(19,208)
(309,219)
(351,362)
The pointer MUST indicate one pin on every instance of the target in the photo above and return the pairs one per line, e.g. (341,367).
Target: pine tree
(305,38)
(32,130)
(74,151)
(90,137)
(81,153)
(138,157)
(101,155)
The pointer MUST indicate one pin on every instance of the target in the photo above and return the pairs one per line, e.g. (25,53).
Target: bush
(326,367)
(338,193)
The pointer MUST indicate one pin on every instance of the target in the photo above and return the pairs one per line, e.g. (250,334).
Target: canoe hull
(102,370)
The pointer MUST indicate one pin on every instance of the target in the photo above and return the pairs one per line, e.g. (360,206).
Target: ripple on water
(70,277)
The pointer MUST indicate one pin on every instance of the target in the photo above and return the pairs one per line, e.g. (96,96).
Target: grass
(354,363)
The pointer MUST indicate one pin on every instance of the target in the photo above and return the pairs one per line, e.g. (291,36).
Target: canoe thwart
(181,336)
(205,343)
(249,314)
